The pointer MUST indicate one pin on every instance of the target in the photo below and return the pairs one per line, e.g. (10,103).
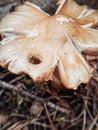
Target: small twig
(16,126)
(60,109)
(6,125)
(16,79)
(73,124)
(49,118)
(4,75)
(93,123)
(24,93)
(33,97)
(90,115)
(85,112)
(79,116)
(84,118)
(18,116)
(34,122)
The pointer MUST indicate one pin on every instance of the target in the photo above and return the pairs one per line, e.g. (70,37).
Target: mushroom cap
(36,43)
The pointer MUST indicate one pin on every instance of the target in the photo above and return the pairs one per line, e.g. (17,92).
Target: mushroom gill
(36,43)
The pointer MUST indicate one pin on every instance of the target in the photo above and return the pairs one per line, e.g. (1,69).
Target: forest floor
(26,105)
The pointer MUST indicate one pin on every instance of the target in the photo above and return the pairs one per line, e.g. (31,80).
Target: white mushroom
(36,43)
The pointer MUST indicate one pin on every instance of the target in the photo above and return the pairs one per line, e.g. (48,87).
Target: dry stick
(90,115)
(49,118)
(4,75)
(14,88)
(17,124)
(84,109)
(40,124)
(33,97)
(85,112)
(93,123)
(84,119)
(36,122)
(73,124)
(16,79)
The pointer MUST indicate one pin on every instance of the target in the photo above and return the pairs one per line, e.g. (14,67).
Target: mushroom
(37,44)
